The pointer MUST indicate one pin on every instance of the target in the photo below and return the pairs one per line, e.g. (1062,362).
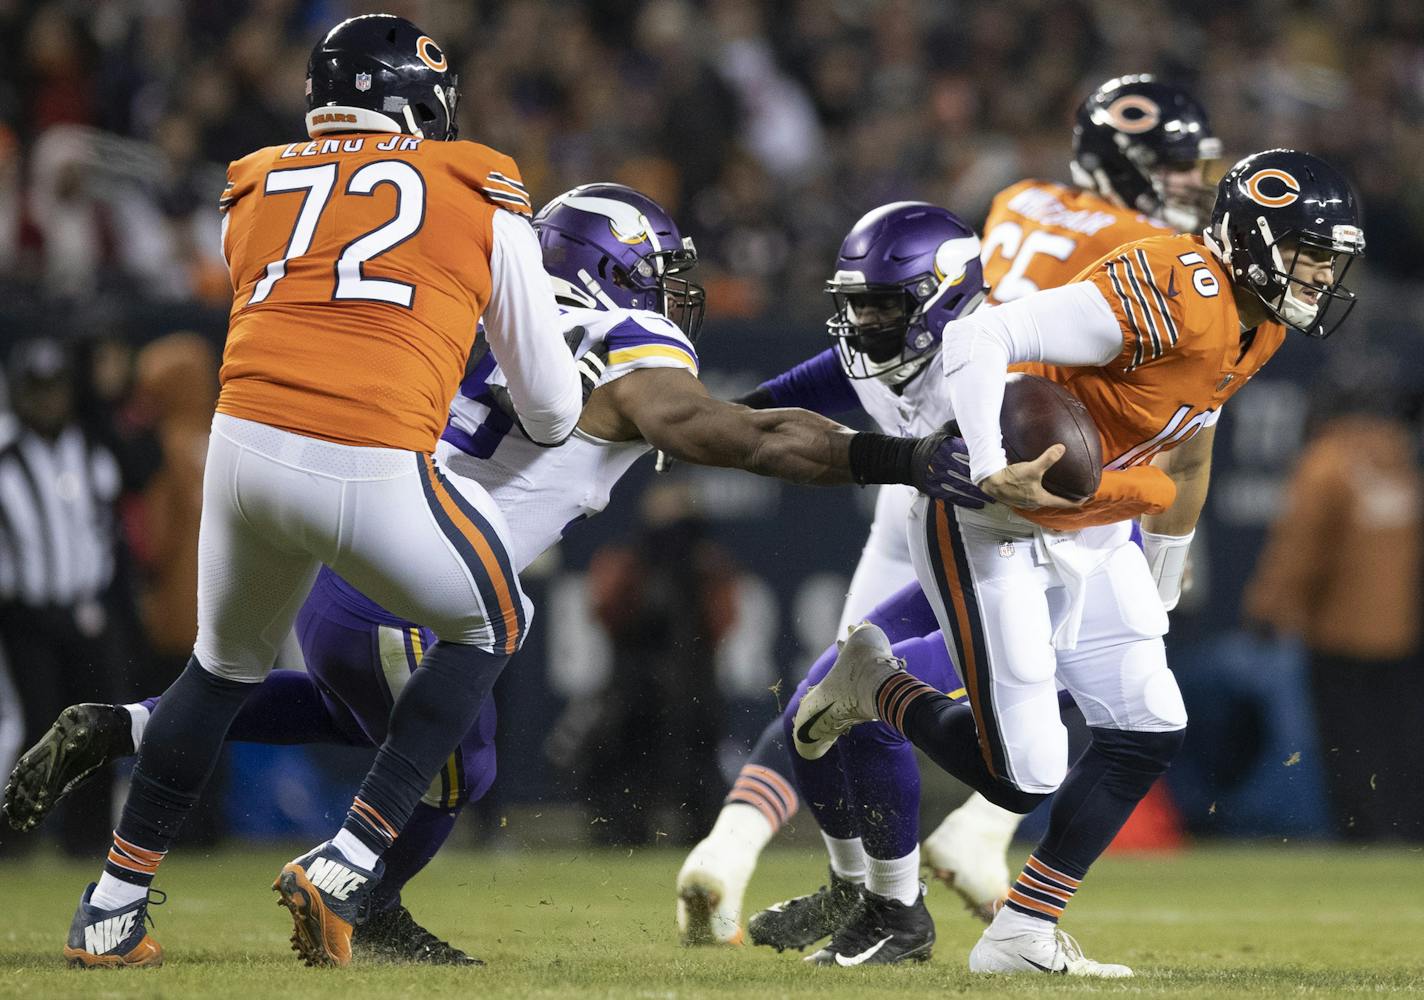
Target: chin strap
(1167,561)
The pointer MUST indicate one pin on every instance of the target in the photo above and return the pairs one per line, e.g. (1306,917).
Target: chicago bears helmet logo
(430,54)
(1261,185)
(1133,114)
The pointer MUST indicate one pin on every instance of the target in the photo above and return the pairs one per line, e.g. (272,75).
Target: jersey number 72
(317,184)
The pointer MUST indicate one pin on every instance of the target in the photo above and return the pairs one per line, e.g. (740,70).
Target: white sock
(354,851)
(1009,922)
(742,827)
(847,858)
(138,721)
(114,893)
(895,878)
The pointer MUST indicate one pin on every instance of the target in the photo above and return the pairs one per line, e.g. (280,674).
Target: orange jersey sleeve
(1040,235)
(360,265)
(1183,352)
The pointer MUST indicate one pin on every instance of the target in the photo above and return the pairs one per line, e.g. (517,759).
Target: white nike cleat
(1051,951)
(966,853)
(710,888)
(846,695)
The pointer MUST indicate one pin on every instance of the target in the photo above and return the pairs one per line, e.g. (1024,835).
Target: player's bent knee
(1148,754)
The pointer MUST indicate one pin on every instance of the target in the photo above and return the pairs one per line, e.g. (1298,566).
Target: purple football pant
(356,667)
(868,784)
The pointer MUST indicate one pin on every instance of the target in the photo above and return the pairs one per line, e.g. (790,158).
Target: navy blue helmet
(1271,208)
(1129,133)
(903,272)
(380,73)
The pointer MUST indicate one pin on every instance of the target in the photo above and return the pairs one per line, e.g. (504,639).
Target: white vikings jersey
(541,490)
(922,407)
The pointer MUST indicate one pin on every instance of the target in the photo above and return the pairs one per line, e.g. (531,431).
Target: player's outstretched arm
(671,410)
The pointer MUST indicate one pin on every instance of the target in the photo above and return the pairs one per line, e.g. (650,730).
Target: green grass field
(1259,921)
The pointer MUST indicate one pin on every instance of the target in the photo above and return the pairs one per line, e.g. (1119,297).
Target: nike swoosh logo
(1043,968)
(803,732)
(863,956)
(1172,283)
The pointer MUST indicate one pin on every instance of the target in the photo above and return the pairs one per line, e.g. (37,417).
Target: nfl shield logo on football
(363,81)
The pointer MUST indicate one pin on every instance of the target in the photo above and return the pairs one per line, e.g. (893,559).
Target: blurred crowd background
(766,128)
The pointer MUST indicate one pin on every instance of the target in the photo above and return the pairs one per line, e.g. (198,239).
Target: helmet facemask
(1315,309)
(679,299)
(881,330)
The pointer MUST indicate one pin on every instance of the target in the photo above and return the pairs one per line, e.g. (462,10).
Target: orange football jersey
(1182,354)
(1041,235)
(360,265)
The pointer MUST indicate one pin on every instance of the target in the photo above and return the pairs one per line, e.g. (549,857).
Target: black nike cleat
(804,920)
(394,936)
(882,931)
(82,740)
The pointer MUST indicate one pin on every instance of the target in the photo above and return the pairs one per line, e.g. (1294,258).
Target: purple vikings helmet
(607,247)
(904,271)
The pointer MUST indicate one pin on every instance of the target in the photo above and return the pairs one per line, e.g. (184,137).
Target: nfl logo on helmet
(363,81)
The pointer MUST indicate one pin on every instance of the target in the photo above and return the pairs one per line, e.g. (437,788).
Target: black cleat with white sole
(882,931)
(82,740)
(804,920)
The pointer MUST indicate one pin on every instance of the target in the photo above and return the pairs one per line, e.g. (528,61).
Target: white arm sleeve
(1071,325)
(522,324)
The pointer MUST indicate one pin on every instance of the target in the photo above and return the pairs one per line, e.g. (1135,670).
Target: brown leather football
(1038,413)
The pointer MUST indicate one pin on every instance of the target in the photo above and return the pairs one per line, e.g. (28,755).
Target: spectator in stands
(1342,570)
(57,488)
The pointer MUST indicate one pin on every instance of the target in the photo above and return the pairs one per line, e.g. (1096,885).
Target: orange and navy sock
(897,695)
(770,793)
(1042,890)
(130,863)
(366,824)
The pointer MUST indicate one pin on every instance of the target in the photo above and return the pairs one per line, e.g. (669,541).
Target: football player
(1140,150)
(618,265)
(361,260)
(1033,591)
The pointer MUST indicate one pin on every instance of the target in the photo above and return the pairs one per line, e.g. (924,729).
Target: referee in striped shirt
(57,547)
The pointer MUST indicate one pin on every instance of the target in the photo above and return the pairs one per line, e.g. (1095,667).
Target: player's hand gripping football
(1021,484)
(941,470)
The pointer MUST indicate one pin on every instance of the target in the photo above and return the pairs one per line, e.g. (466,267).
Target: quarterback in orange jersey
(362,259)
(1154,338)
(1140,148)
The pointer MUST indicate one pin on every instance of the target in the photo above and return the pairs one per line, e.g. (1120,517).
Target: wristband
(881,458)
(1167,560)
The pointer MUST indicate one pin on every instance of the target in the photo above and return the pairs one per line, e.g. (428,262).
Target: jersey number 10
(317,183)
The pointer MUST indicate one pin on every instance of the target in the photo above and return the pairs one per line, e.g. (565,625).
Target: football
(1038,413)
